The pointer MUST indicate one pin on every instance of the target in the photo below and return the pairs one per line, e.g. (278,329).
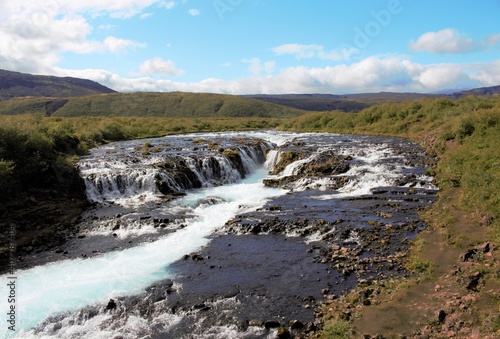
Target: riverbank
(42,220)
(455,294)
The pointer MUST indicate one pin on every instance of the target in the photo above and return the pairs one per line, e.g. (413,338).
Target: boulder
(271,324)
(473,281)
(296,325)
(327,163)
(468,255)
(441,316)
(283,333)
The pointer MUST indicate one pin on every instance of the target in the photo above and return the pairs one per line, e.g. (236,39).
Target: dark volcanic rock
(111,305)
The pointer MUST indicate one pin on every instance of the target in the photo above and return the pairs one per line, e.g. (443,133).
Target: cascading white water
(72,284)
(131,177)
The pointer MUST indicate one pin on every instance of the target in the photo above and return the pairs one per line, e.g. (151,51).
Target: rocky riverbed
(348,215)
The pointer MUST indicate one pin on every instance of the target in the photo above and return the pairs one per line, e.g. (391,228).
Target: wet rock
(283,333)
(296,325)
(256,323)
(111,305)
(197,257)
(256,229)
(201,307)
(310,327)
(271,324)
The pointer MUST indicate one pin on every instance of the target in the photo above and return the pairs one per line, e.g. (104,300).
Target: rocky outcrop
(314,166)
(286,158)
(189,163)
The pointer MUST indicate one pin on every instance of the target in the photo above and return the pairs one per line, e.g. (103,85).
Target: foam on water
(368,170)
(72,284)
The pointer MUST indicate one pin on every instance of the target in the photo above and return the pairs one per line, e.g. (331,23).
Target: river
(192,237)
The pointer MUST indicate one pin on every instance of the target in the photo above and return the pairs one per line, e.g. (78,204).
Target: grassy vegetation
(166,105)
(15,106)
(337,329)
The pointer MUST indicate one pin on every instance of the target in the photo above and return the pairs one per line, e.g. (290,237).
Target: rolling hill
(169,105)
(15,84)
(331,102)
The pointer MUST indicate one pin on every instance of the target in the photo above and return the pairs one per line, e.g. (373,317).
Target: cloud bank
(373,74)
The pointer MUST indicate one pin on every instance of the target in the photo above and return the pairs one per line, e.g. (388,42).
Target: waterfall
(111,176)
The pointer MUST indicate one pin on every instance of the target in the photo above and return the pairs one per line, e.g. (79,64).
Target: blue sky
(257,46)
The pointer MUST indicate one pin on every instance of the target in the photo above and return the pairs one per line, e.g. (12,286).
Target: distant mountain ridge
(492,90)
(357,102)
(331,102)
(15,84)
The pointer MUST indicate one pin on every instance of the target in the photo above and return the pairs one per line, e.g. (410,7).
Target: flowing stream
(170,196)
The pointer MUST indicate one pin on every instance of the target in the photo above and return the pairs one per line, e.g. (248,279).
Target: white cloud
(113,8)
(256,66)
(493,39)
(35,43)
(145,15)
(116,45)
(451,41)
(374,74)
(194,12)
(314,51)
(34,36)
(107,27)
(158,66)
(486,75)
(167,4)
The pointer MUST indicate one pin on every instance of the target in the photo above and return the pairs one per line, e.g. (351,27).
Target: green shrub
(337,329)
(466,128)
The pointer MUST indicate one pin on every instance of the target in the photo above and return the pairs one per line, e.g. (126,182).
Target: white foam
(367,171)
(71,284)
